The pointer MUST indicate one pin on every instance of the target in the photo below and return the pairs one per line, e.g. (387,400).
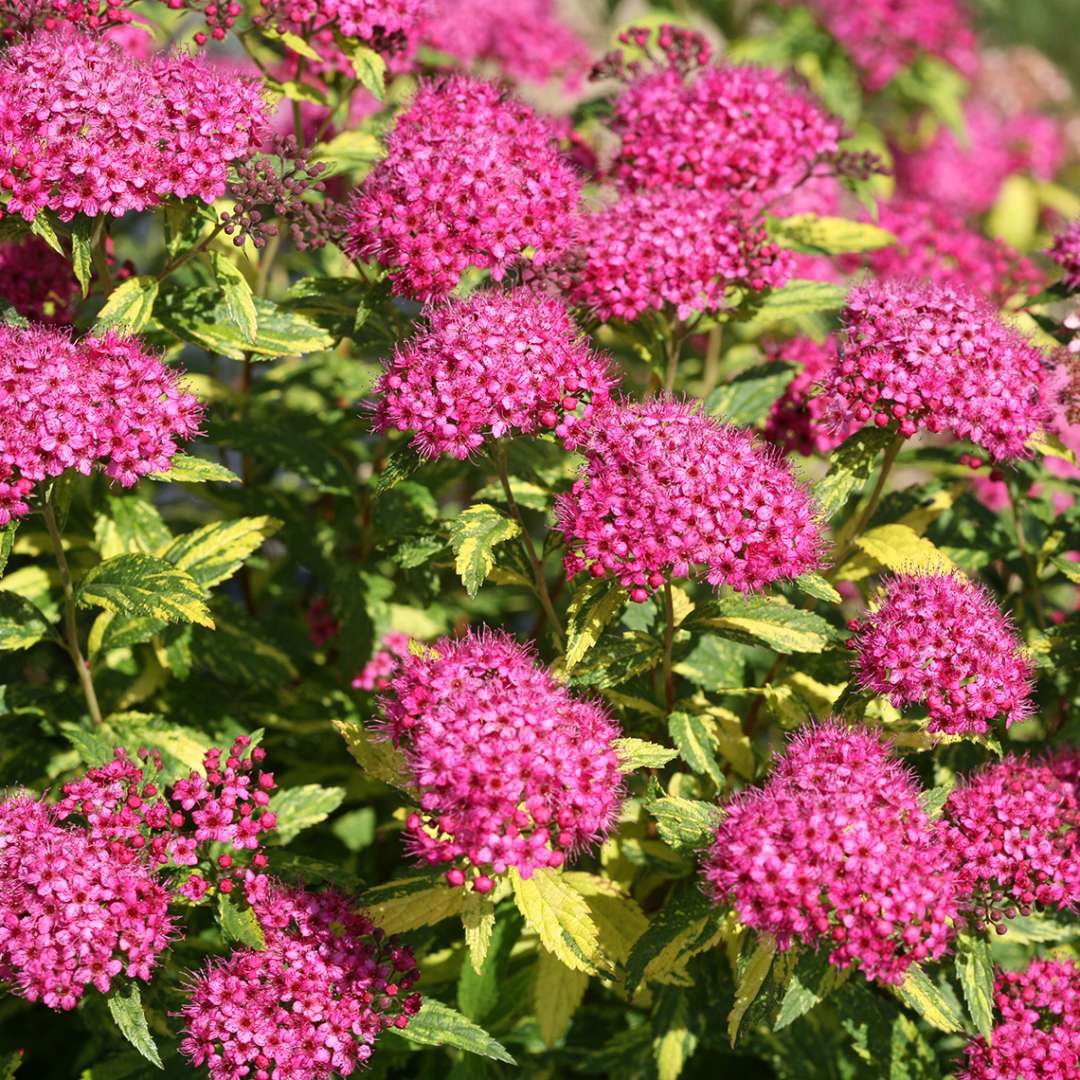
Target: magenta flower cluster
(86,128)
(937,357)
(669,248)
(1015,829)
(383,666)
(310,1005)
(472,178)
(1065,251)
(666,492)
(1038,1034)
(797,421)
(72,915)
(511,770)
(939,640)
(37,282)
(388,26)
(836,849)
(75,404)
(492,365)
(742,132)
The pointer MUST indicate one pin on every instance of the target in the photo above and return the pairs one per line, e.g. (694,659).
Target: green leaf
(750,979)
(137,584)
(691,734)
(410,903)
(920,994)
(437,1024)
(557,993)
(684,824)
(9,1064)
(81,256)
(478,922)
(770,622)
(44,227)
(559,914)
(975,969)
(370,68)
(798,297)
(813,584)
(22,622)
(129,305)
(238,300)
(291,41)
(591,609)
(815,235)
(685,926)
(349,151)
(299,808)
(239,927)
(478,987)
(296,91)
(639,754)
(129,524)
(938,85)
(237,655)
(813,980)
(7,542)
(1070,569)
(850,466)
(399,466)
(215,552)
(185,469)
(617,658)
(473,536)
(748,399)
(126,1009)
(676,1036)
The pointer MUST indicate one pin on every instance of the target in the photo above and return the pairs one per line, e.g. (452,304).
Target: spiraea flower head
(472,178)
(1066,253)
(511,770)
(37,282)
(836,850)
(666,492)
(101,401)
(741,131)
(937,357)
(310,1005)
(383,666)
(1014,827)
(73,916)
(939,640)
(1038,1033)
(492,365)
(86,128)
(389,27)
(674,249)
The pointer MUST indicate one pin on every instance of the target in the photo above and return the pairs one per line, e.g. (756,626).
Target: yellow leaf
(619,921)
(478,920)
(750,982)
(411,903)
(380,760)
(557,993)
(898,547)
(560,916)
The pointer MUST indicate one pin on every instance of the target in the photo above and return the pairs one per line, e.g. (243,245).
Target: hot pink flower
(490,366)
(940,640)
(384,665)
(1038,1037)
(307,1007)
(936,357)
(836,850)
(511,770)
(73,405)
(666,492)
(472,178)
(1066,253)
(388,26)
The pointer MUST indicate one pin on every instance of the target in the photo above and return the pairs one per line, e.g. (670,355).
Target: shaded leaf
(411,903)
(126,1009)
(437,1024)
(557,993)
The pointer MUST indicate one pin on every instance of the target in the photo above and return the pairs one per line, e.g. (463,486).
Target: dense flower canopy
(797,420)
(666,492)
(511,769)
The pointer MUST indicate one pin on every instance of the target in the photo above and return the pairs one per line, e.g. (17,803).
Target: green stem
(99,256)
(672,348)
(71,629)
(669,640)
(710,374)
(200,247)
(498,458)
(1025,554)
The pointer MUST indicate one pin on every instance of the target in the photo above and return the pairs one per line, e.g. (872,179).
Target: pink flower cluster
(1013,826)
(936,357)
(472,178)
(940,640)
(935,243)
(490,366)
(1066,253)
(72,915)
(670,247)
(797,420)
(666,492)
(85,128)
(740,131)
(388,26)
(37,281)
(307,1007)
(380,670)
(511,770)
(1038,1036)
(836,849)
(21,17)
(526,38)
(883,37)
(208,827)
(72,405)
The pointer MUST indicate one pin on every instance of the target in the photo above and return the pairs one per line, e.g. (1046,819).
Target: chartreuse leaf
(752,971)
(684,823)
(797,298)
(348,151)
(558,913)
(813,584)
(557,993)
(676,1037)
(22,622)
(239,927)
(478,922)
(814,234)
(975,969)
(850,466)
(691,734)
(299,808)
(747,399)
(379,759)
(126,1009)
(369,66)
(918,992)
(1070,569)
(238,300)
(185,469)
(473,536)
(618,918)
(639,754)
(129,306)
(590,610)
(137,584)
(127,524)
(81,255)
(437,1024)
(899,547)
(764,621)
(215,552)
(411,903)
